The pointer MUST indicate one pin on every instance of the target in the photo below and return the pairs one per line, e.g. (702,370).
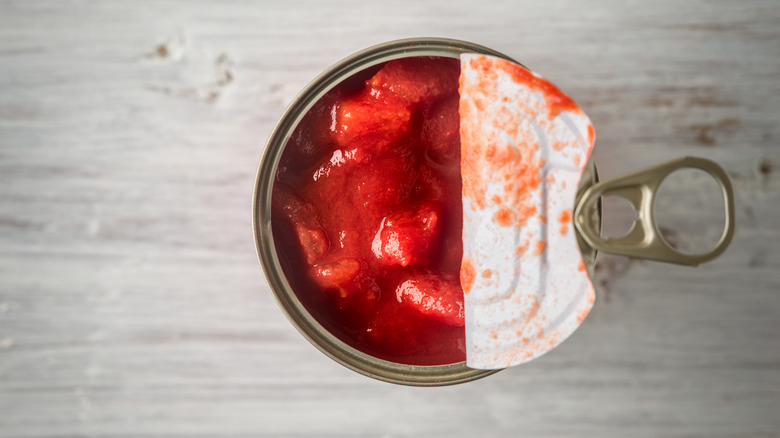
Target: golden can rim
(296,313)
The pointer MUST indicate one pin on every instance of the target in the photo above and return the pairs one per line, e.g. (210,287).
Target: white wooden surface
(131,301)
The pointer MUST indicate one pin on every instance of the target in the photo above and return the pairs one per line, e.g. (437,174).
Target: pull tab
(644,240)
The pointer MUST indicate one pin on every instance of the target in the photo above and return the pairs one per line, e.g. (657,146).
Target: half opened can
(349,258)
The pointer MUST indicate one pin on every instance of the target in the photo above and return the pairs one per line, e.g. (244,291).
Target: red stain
(565,219)
(490,152)
(581,266)
(524,212)
(582,315)
(487,273)
(565,216)
(490,159)
(534,310)
(591,134)
(503,217)
(470,158)
(556,100)
(466,275)
(540,246)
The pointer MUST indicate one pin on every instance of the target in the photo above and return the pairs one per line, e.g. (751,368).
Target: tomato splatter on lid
(524,145)
(540,246)
(466,275)
(565,220)
(565,216)
(504,216)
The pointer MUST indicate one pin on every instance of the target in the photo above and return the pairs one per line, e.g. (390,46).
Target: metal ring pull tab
(644,239)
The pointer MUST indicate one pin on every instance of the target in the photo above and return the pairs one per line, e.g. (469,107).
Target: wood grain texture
(131,301)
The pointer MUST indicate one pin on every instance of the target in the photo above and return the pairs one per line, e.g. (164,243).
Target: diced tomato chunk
(371,123)
(347,277)
(406,237)
(337,273)
(441,131)
(382,182)
(313,241)
(305,146)
(417,79)
(339,162)
(435,297)
(302,216)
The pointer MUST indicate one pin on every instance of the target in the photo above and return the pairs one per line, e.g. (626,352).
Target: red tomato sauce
(367,212)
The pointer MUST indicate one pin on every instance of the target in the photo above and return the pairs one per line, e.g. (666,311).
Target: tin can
(587,217)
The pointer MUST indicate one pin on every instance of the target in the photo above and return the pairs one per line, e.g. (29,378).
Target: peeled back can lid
(524,147)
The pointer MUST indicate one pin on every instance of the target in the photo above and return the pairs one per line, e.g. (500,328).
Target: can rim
(296,313)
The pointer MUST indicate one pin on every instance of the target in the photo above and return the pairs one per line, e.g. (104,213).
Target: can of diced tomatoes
(283,274)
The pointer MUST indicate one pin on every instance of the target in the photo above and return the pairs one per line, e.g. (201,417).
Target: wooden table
(131,300)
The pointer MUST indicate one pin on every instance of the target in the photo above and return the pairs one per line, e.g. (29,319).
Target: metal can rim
(302,320)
